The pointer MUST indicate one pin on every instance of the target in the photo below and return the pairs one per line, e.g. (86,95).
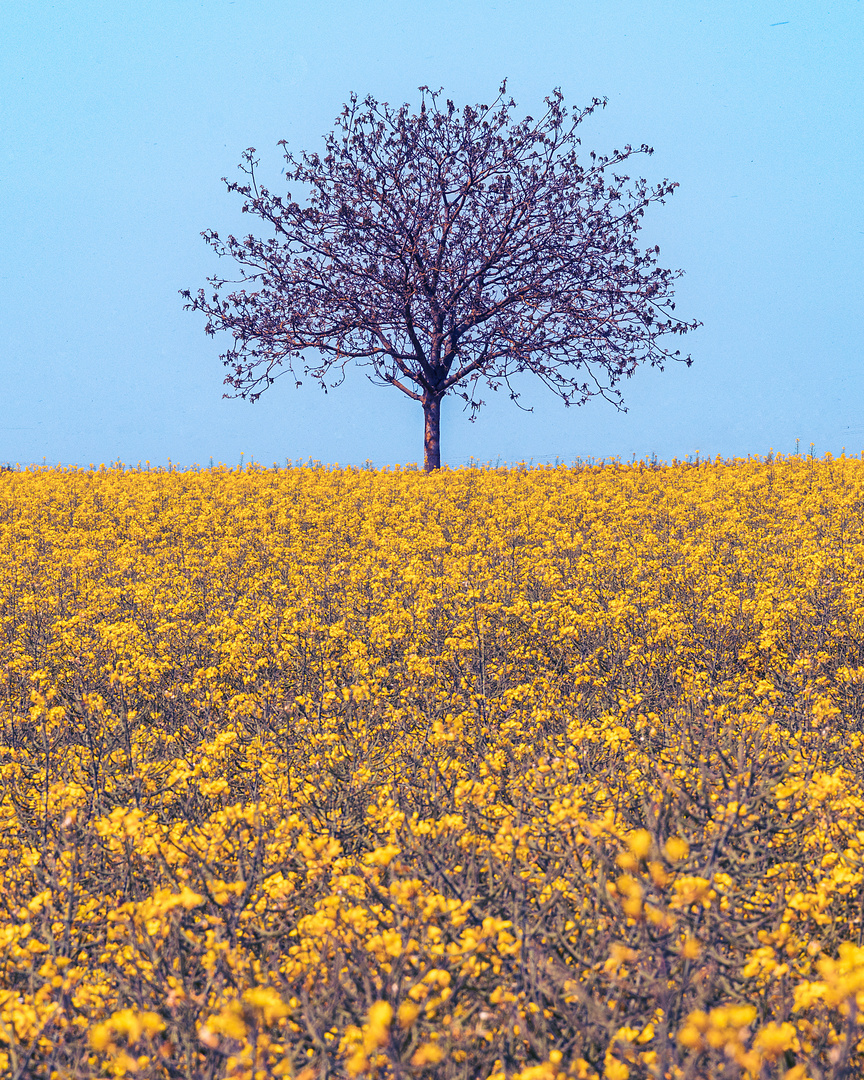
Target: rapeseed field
(517,773)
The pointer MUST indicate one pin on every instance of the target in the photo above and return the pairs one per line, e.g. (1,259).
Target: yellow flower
(297,739)
(382,856)
(615,1070)
(407,1013)
(640,843)
(773,1039)
(427,1054)
(676,848)
(377,1030)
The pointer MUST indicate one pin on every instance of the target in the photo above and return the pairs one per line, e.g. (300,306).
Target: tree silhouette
(445,251)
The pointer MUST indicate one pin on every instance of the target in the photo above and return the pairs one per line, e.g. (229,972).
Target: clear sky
(118,121)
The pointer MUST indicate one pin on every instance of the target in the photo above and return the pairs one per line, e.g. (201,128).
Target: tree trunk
(432,433)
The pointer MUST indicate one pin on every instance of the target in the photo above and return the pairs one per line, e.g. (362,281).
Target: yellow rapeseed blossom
(377,1029)
(676,848)
(640,843)
(496,772)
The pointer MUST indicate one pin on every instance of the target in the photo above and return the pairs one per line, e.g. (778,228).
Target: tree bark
(432,432)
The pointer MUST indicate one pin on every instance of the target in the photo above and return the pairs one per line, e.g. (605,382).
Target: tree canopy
(445,251)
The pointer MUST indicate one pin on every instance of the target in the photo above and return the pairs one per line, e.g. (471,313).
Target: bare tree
(444,251)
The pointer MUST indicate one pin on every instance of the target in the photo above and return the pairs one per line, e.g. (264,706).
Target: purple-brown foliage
(445,250)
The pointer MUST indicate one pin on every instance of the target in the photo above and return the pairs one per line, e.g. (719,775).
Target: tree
(444,251)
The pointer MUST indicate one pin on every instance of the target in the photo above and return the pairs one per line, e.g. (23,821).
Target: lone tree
(444,251)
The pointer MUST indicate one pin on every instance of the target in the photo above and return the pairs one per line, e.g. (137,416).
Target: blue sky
(119,120)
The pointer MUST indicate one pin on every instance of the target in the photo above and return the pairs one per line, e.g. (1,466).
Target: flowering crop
(528,773)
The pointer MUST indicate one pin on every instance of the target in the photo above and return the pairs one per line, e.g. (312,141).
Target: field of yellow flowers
(489,773)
